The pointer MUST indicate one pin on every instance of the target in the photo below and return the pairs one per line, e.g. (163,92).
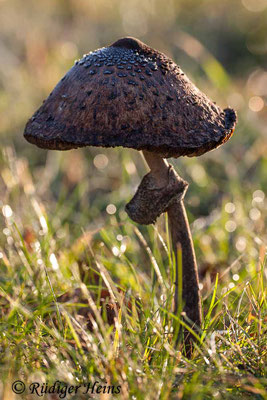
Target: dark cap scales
(130,95)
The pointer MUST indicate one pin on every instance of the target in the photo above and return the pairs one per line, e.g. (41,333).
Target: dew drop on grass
(111,209)
(229,208)
(115,251)
(7,211)
(123,248)
(10,240)
(37,246)
(230,226)
(258,196)
(6,231)
(163,297)
(254,214)
(43,224)
(235,277)
(119,238)
(241,243)
(54,262)
(70,376)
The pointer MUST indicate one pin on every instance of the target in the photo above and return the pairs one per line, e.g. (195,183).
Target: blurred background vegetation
(54,197)
(222,46)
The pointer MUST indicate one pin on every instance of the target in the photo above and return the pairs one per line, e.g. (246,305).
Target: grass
(86,294)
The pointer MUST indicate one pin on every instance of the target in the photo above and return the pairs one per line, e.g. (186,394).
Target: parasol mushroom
(128,94)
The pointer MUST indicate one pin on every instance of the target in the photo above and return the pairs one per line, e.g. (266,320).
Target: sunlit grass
(87,296)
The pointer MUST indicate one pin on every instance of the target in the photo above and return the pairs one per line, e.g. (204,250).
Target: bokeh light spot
(123,248)
(100,161)
(256,103)
(7,211)
(43,224)
(254,214)
(115,251)
(255,6)
(235,277)
(229,208)
(230,226)
(241,243)
(54,262)
(258,196)
(111,209)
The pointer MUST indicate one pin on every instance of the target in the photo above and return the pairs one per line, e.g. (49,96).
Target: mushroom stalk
(181,237)
(159,168)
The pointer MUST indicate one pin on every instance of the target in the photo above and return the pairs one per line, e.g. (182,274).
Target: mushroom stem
(159,168)
(181,237)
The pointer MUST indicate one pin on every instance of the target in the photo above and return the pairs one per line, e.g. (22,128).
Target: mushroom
(128,94)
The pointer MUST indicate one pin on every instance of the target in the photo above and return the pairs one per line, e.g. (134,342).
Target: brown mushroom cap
(130,95)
